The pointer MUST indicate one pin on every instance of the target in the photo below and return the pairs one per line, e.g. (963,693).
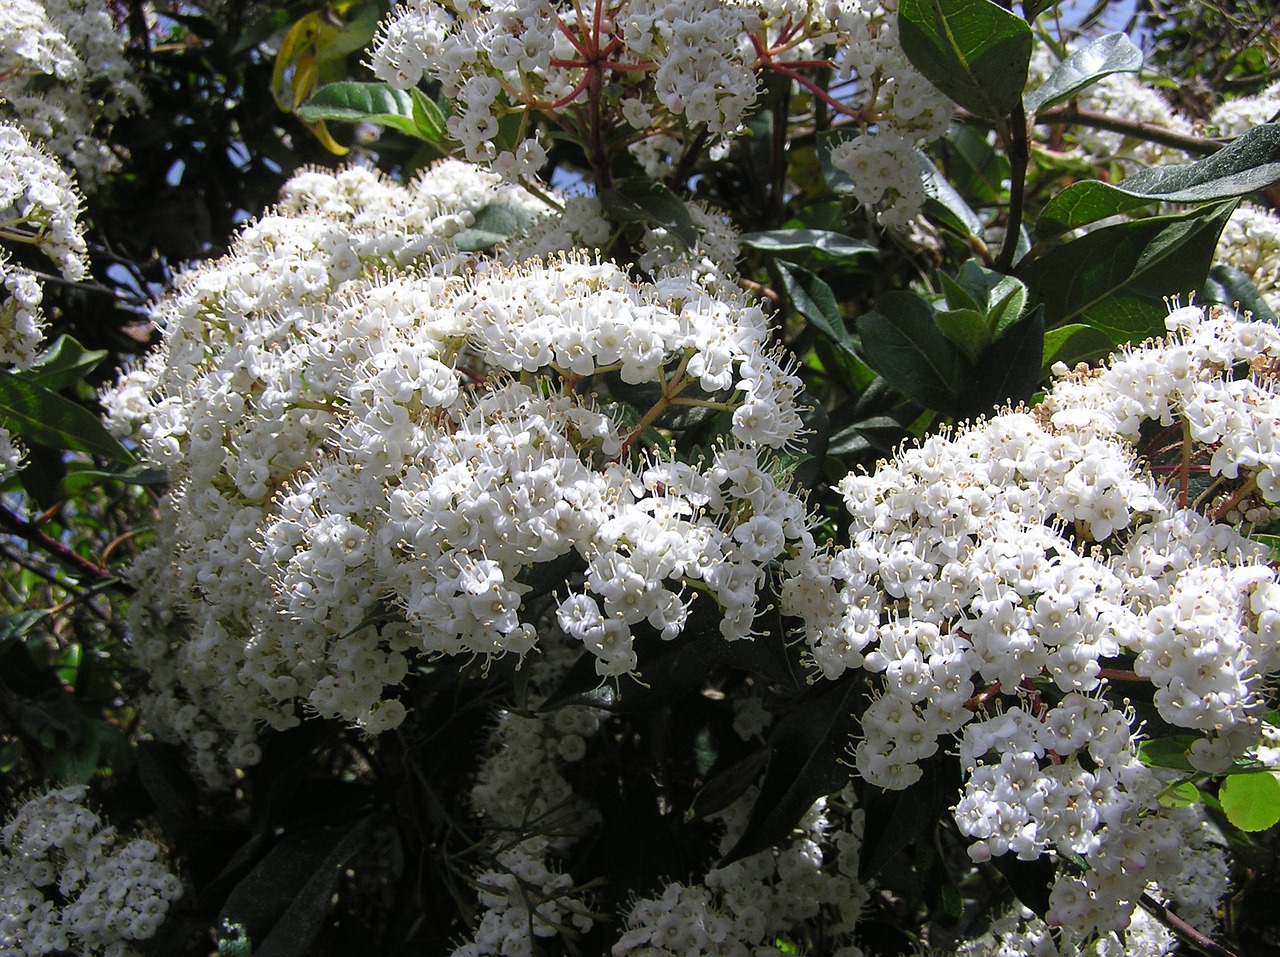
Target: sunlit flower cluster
(391,436)
(40,207)
(1018,558)
(69,883)
(1250,242)
(63,76)
(672,70)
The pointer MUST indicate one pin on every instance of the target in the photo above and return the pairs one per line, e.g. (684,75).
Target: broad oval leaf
(904,344)
(1114,53)
(1250,163)
(974,51)
(43,417)
(62,364)
(806,762)
(1115,278)
(1251,801)
(967,328)
(822,245)
(1230,287)
(814,300)
(1009,371)
(653,204)
(351,102)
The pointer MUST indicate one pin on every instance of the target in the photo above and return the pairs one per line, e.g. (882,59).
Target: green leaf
(818,246)
(43,417)
(814,300)
(974,51)
(957,296)
(428,118)
(80,478)
(352,102)
(1169,753)
(978,170)
(967,328)
(1251,801)
(806,762)
(492,225)
(1009,371)
(642,200)
(944,203)
(283,902)
(1228,286)
(1113,53)
(1115,278)
(1008,308)
(14,626)
(1250,163)
(62,364)
(904,344)
(1074,343)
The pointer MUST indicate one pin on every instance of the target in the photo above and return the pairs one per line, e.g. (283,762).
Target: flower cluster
(41,207)
(1250,242)
(1016,559)
(69,883)
(671,69)
(391,446)
(1240,114)
(63,75)
(751,905)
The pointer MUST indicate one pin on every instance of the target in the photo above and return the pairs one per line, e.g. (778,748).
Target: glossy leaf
(44,417)
(814,300)
(1115,278)
(1074,343)
(1228,286)
(1009,371)
(818,245)
(1251,801)
(806,761)
(283,902)
(653,204)
(1113,53)
(903,343)
(1249,164)
(974,51)
(62,364)
(944,203)
(378,103)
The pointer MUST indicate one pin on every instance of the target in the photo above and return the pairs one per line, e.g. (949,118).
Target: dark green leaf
(77,480)
(1115,278)
(1169,753)
(653,204)
(283,902)
(1030,881)
(1228,286)
(352,102)
(1249,164)
(975,167)
(1008,308)
(944,203)
(43,417)
(897,819)
(904,344)
(1113,53)
(666,670)
(1251,801)
(819,246)
(814,300)
(64,363)
(974,51)
(728,784)
(967,328)
(958,296)
(13,627)
(1009,370)
(806,762)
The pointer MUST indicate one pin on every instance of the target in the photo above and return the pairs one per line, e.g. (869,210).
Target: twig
(1162,912)
(1197,145)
